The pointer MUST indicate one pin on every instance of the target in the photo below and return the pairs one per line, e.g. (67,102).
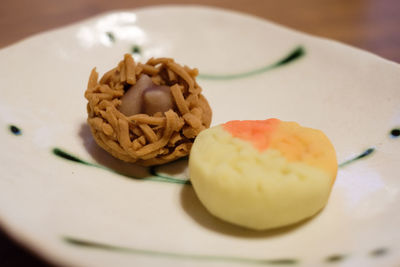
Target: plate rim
(50,255)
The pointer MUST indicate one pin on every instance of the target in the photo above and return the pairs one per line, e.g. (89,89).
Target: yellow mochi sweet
(262,174)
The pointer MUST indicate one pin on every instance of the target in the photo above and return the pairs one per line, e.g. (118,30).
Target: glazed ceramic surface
(66,199)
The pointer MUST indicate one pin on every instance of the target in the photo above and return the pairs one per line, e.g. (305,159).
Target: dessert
(146,113)
(262,174)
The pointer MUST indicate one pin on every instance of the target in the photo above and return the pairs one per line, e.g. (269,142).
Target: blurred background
(372,25)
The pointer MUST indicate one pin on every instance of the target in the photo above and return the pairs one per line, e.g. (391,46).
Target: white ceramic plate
(90,213)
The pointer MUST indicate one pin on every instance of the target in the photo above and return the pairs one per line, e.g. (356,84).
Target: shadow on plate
(188,199)
(195,209)
(104,159)
(177,168)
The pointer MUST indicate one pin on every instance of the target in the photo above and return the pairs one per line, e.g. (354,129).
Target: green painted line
(136,50)
(153,171)
(14,130)
(335,258)
(111,36)
(364,154)
(295,54)
(378,252)
(157,178)
(175,255)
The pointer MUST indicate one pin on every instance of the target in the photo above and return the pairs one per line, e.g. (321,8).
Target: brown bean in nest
(146,113)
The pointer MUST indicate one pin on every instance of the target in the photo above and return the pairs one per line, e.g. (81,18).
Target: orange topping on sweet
(307,145)
(296,143)
(258,132)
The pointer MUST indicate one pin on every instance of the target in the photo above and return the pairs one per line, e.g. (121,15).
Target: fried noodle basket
(142,138)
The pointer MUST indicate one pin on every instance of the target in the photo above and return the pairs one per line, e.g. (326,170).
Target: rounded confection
(146,113)
(262,174)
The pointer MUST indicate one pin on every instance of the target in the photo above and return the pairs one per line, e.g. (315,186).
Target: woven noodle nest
(142,138)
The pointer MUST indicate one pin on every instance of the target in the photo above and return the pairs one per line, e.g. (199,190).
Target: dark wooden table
(372,25)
